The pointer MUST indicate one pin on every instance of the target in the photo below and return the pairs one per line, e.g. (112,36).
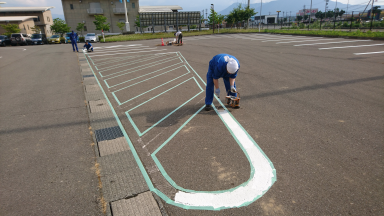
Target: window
(24,27)
(71,6)
(36,19)
(85,28)
(48,19)
(133,5)
(122,20)
(28,27)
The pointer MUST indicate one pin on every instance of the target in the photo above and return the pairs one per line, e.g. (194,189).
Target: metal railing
(119,10)
(95,11)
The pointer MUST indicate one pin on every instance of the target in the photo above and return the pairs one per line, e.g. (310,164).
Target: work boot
(208,107)
(228,101)
(236,107)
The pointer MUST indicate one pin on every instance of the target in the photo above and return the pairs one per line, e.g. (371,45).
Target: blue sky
(195,5)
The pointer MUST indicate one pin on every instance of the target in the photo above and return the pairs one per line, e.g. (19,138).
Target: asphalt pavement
(312,106)
(46,157)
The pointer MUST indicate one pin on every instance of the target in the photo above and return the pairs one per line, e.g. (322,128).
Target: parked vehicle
(54,39)
(20,38)
(91,37)
(68,40)
(4,40)
(39,39)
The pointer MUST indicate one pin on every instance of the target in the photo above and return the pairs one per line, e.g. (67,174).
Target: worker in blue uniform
(221,66)
(88,46)
(73,38)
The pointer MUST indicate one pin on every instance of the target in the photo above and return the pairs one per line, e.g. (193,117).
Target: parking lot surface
(309,105)
(307,139)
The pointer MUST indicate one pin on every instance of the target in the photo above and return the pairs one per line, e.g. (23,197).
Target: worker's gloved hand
(217,92)
(233,89)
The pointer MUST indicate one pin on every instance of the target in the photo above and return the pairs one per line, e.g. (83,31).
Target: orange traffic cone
(162,42)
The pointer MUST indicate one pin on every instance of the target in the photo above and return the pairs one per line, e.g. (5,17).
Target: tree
(80,27)
(10,29)
(330,14)
(239,14)
(121,26)
(305,16)
(100,23)
(230,19)
(319,15)
(341,13)
(59,27)
(299,18)
(35,29)
(376,11)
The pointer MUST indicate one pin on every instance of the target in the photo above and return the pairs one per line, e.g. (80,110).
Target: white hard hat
(232,66)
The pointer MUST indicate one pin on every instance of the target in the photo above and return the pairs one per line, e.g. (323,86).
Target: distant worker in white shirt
(179,36)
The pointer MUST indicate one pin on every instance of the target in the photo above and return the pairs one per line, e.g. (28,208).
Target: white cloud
(359,2)
(32,3)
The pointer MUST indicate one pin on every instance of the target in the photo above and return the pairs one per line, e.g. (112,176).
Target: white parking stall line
(351,46)
(304,41)
(123,50)
(331,43)
(281,39)
(368,53)
(110,47)
(125,53)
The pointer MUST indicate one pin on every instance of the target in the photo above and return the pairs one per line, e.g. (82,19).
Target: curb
(124,190)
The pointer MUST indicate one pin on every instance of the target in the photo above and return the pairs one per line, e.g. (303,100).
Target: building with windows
(25,23)
(84,11)
(43,16)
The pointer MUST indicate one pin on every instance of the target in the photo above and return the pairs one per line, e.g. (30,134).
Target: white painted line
(331,43)
(302,41)
(108,47)
(261,180)
(125,53)
(368,53)
(120,50)
(281,39)
(350,46)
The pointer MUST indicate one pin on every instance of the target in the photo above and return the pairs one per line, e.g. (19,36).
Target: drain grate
(88,76)
(108,133)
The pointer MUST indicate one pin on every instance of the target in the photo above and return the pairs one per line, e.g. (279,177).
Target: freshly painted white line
(303,41)
(126,53)
(350,46)
(331,43)
(281,38)
(261,180)
(368,53)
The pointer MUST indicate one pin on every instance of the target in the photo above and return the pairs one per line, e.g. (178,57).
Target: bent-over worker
(88,46)
(221,66)
(179,37)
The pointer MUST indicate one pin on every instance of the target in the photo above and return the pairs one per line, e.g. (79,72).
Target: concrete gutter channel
(123,186)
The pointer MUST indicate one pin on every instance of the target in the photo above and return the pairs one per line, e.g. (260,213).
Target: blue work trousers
(74,43)
(210,89)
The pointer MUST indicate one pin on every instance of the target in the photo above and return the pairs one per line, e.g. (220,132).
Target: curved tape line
(261,181)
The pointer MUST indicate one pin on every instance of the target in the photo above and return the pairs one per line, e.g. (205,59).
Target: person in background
(73,37)
(88,46)
(179,36)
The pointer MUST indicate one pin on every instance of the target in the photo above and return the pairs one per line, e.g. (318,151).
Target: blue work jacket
(73,36)
(218,67)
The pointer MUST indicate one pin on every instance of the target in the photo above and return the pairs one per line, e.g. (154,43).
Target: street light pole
(127,28)
(260,15)
(213,17)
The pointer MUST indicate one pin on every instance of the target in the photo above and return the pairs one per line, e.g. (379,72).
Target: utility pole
(310,13)
(127,28)
(206,14)
(278,12)
(371,16)
(347,7)
(248,18)
(261,5)
(213,18)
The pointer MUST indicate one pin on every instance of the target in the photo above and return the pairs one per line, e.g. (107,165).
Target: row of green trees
(237,15)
